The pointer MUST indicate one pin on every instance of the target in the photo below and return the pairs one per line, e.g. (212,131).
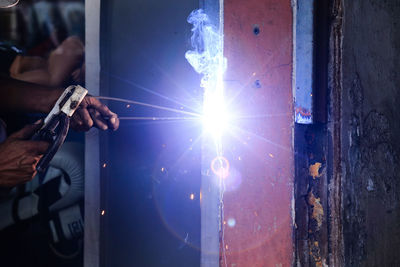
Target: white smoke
(207,54)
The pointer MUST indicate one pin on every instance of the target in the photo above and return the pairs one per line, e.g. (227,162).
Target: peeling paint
(303,115)
(314,170)
(318,210)
(316,254)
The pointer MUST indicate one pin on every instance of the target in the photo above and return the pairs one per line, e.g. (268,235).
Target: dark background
(152,166)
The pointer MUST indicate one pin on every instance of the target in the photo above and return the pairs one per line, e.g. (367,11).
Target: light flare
(220,167)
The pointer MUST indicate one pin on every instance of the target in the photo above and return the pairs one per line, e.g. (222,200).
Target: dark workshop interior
(251,133)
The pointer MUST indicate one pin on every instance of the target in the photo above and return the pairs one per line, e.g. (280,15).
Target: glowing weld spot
(216,118)
(220,167)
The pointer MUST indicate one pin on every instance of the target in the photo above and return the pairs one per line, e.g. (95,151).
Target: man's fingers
(36,147)
(28,167)
(17,177)
(98,120)
(93,103)
(27,131)
(113,122)
(86,119)
(103,109)
(31,160)
(81,120)
(76,122)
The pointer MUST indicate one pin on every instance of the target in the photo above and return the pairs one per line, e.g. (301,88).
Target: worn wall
(370,124)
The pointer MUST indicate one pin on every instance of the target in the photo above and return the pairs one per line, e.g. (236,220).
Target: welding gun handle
(43,135)
(55,144)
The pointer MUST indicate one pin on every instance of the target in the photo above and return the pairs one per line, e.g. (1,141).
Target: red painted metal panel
(257,210)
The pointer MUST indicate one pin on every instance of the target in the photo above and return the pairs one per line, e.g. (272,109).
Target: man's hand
(19,156)
(92,112)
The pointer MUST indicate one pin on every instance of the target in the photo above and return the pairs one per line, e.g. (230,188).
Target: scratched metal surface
(257,210)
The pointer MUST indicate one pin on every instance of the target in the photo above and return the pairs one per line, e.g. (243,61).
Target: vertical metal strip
(335,128)
(304,61)
(294,19)
(210,191)
(92,144)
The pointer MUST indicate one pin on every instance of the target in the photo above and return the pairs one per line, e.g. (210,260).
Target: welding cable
(68,163)
(71,256)
(157,118)
(70,160)
(147,105)
(8,3)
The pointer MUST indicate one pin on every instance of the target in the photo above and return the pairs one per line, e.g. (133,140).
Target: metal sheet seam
(92,143)
(294,18)
(293,202)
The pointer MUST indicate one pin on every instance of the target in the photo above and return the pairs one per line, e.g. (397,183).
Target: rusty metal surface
(336,246)
(257,208)
(313,159)
(311,195)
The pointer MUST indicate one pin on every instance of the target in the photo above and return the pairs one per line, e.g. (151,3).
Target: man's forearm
(26,97)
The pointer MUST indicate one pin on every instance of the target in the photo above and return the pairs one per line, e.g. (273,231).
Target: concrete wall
(370,131)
